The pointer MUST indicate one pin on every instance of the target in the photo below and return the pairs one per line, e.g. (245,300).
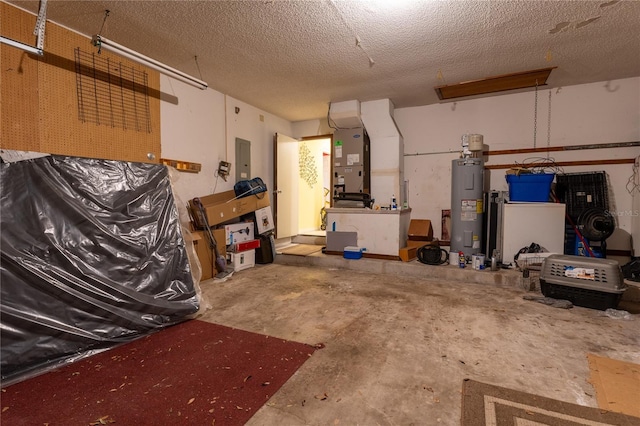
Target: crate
(581,296)
(531,260)
(533,187)
(585,281)
(580,191)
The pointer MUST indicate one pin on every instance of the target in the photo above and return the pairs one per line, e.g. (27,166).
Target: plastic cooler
(534,187)
(351,252)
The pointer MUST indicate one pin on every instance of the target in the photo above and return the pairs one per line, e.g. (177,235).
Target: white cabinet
(381,232)
(526,223)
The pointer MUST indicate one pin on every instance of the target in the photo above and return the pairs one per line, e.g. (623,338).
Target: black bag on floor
(266,253)
(631,270)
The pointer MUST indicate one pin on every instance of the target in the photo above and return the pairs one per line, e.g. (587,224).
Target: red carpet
(192,373)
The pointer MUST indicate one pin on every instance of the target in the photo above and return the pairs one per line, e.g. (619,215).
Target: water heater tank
(466,205)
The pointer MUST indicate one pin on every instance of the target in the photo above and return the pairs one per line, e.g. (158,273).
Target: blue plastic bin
(534,187)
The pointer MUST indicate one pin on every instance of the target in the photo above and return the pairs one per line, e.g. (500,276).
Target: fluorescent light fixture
(103,43)
(518,80)
(19,45)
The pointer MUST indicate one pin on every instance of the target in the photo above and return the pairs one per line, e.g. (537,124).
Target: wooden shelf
(517,80)
(182,166)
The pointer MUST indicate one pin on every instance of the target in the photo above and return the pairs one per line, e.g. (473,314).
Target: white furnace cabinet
(382,232)
(526,223)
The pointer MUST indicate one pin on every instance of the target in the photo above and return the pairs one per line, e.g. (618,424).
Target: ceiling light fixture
(102,42)
(518,80)
(38,31)
(23,46)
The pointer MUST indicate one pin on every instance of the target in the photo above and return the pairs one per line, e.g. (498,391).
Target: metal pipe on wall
(542,149)
(563,148)
(563,163)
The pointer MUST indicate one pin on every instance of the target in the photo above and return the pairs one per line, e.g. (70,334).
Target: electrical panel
(243,159)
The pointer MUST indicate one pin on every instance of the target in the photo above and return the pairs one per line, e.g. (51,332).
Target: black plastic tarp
(92,255)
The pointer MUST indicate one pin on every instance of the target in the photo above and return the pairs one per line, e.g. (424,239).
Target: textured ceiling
(291,58)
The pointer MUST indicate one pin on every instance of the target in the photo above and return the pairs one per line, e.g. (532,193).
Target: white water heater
(467,209)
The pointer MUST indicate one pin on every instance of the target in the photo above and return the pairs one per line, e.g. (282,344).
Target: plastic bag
(92,256)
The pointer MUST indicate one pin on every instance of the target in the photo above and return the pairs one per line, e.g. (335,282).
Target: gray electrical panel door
(351,161)
(243,159)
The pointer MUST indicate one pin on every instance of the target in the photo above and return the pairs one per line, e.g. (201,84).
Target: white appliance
(526,223)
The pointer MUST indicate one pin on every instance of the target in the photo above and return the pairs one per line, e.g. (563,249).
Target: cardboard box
(616,382)
(201,244)
(244,246)
(224,207)
(417,244)
(242,260)
(420,230)
(264,220)
(410,252)
(407,254)
(239,232)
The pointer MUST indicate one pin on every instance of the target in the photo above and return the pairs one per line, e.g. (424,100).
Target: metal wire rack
(111,93)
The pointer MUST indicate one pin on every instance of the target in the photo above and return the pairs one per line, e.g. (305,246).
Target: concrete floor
(400,338)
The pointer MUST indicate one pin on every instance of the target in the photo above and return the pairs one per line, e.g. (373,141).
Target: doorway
(302,181)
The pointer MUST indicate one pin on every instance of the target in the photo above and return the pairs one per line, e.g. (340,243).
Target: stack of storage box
(241,245)
(420,234)
(240,242)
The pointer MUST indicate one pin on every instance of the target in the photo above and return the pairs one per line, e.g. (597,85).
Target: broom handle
(205,221)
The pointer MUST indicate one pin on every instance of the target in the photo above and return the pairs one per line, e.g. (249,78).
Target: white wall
(194,130)
(311,128)
(247,125)
(603,112)
(202,128)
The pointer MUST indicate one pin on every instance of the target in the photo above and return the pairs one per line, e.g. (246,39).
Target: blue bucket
(534,187)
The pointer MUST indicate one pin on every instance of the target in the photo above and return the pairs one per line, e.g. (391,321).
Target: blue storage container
(533,187)
(351,252)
